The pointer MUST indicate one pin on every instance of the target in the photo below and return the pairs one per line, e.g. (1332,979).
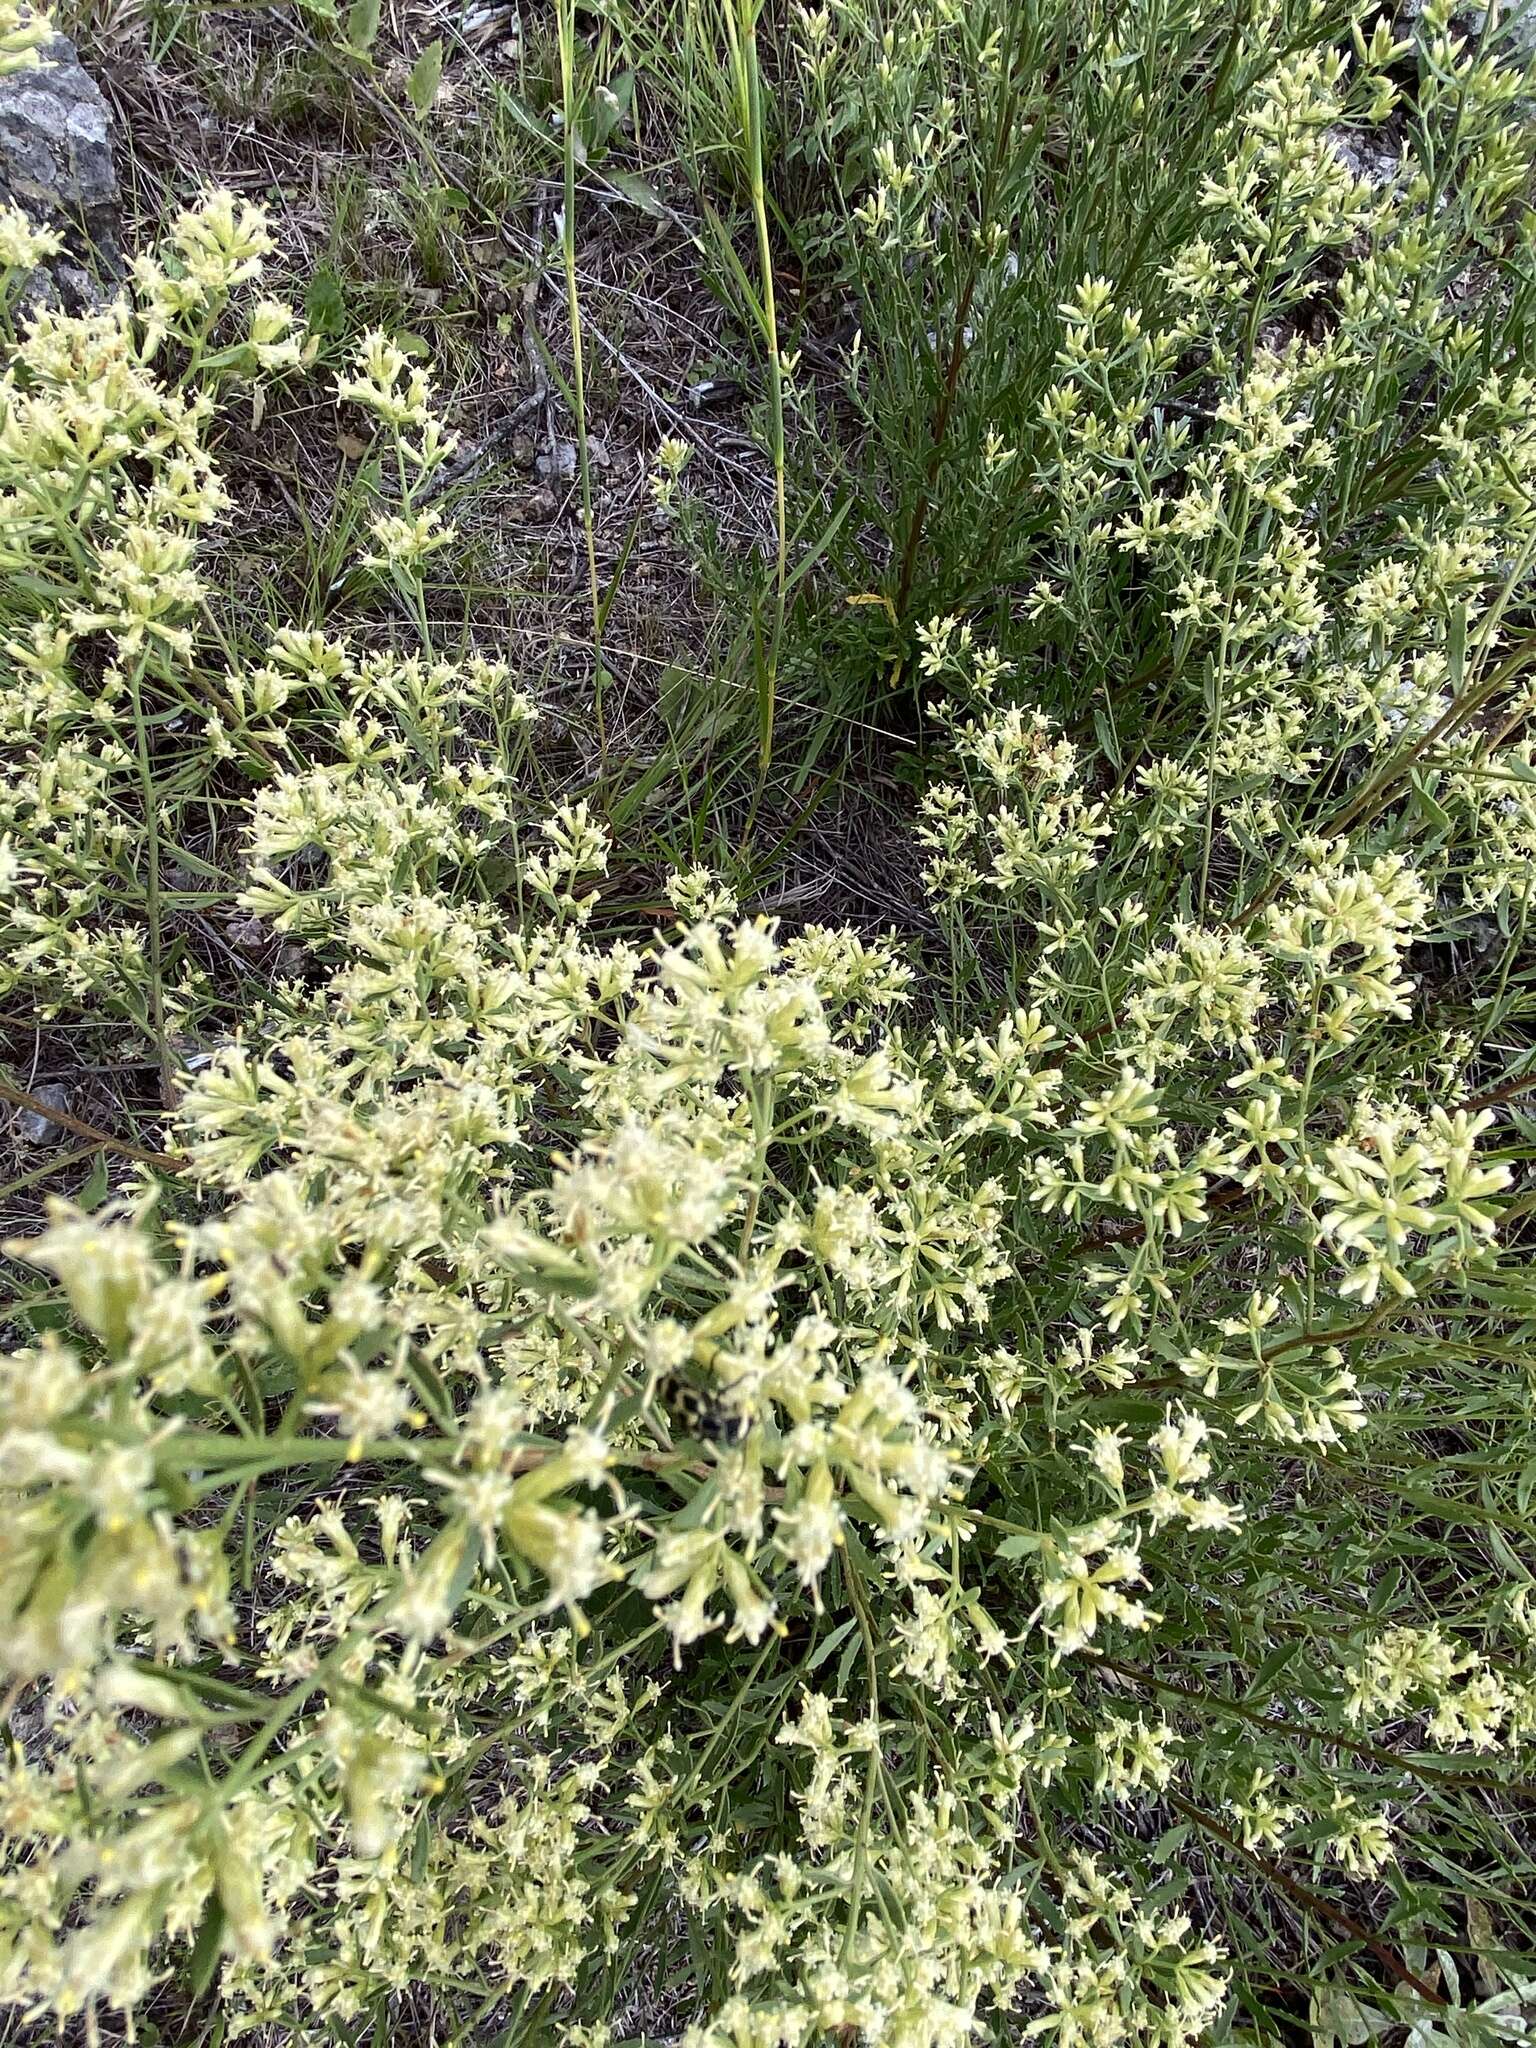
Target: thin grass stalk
(152,889)
(567,41)
(959,348)
(740,18)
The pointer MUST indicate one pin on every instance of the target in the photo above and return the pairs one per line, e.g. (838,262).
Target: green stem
(741,34)
(152,888)
(567,37)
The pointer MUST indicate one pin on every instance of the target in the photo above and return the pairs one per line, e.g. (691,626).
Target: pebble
(32,1127)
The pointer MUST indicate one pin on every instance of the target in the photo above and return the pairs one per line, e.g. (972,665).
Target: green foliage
(947,178)
(699,1476)
(426,76)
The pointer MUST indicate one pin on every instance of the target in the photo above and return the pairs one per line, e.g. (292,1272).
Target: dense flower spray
(693,1436)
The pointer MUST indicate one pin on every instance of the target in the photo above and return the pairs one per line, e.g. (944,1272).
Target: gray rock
(562,461)
(56,165)
(32,1127)
(1368,154)
(1517,33)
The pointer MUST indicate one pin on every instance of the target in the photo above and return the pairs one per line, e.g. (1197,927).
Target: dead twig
(1312,1902)
(19,1098)
(469,459)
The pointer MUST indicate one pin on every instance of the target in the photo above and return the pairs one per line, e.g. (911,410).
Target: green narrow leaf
(766,693)
(363,24)
(467,1566)
(1168,1845)
(638,191)
(1427,804)
(818,547)
(426,76)
(825,1648)
(604,111)
(1105,732)
(325,307)
(1456,649)
(846,1663)
(98,1181)
(1270,1669)
(205,1950)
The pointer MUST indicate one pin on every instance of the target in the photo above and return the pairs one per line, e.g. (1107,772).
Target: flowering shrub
(829,1486)
(1206,331)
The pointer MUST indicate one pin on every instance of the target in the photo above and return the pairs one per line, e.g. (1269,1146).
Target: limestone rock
(56,164)
(34,1126)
